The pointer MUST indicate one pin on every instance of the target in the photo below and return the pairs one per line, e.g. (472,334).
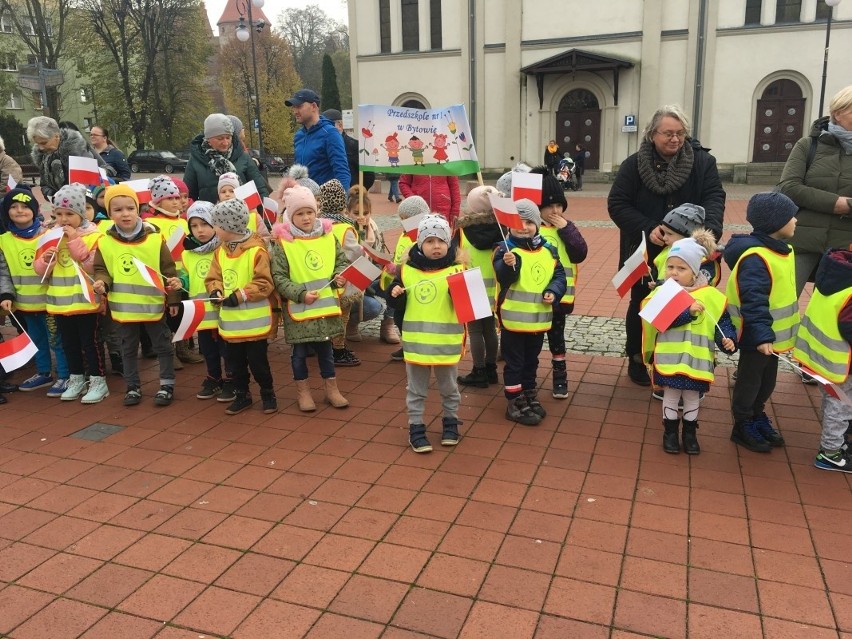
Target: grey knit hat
(529,211)
(412,206)
(299,172)
(685,219)
(690,252)
(768,212)
(504,184)
(202,210)
(217,124)
(232,216)
(71,197)
(162,187)
(236,123)
(433,226)
(229,178)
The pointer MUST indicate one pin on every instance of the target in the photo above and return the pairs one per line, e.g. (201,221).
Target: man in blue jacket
(317,144)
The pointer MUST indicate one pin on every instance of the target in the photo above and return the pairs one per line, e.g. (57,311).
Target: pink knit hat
(477,199)
(299,197)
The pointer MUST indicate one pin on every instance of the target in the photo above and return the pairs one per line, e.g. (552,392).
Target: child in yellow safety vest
(683,356)
(679,223)
(306,264)
(531,281)
(432,338)
(67,269)
(228,184)
(240,276)
(135,303)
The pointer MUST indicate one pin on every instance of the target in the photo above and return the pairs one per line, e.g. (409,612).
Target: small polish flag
(831,389)
(409,226)
(49,240)
(248,193)
(193,314)
(16,352)
(150,275)
(10,183)
(83,170)
(670,300)
(85,284)
(506,212)
(270,209)
(175,243)
(141,188)
(526,185)
(470,299)
(634,269)
(361,273)
(382,259)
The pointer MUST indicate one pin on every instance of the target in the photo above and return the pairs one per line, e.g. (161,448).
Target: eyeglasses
(670,135)
(95,135)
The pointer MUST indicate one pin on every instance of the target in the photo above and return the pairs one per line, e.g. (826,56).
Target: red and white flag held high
(526,185)
(470,300)
(175,243)
(634,269)
(10,183)
(270,209)
(141,188)
(150,275)
(382,259)
(49,240)
(361,273)
(16,352)
(506,212)
(409,226)
(249,194)
(83,170)
(669,301)
(193,314)
(85,284)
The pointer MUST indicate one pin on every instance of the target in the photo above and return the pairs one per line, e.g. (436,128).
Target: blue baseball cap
(301,96)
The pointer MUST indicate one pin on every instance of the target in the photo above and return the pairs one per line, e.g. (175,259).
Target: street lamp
(243,35)
(831,4)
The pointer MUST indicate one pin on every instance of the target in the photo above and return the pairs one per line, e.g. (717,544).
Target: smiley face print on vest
(425,292)
(202,268)
(27,256)
(538,275)
(229,279)
(313,261)
(126,264)
(63,257)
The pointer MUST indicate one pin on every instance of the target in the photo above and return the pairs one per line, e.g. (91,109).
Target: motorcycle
(566,174)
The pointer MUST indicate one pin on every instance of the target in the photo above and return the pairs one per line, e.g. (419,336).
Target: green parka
(203,184)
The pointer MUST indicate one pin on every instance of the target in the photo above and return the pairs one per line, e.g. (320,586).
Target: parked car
(148,161)
(183,155)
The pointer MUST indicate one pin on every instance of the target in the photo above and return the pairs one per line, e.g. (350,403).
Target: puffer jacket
(441,192)
(816,191)
(321,149)
(203,184)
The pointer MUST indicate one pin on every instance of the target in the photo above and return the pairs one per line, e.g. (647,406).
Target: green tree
(330,94)
(344,76)
(13,134)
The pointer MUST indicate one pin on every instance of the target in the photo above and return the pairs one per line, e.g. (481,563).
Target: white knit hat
(433,226)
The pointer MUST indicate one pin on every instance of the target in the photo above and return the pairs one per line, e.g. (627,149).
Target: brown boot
(332,394)
(185,355)
(178,365)
(388,332)
(306,402)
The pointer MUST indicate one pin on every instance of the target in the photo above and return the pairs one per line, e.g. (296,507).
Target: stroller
(566,173)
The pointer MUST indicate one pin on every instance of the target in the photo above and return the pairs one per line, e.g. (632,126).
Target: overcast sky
(335,9)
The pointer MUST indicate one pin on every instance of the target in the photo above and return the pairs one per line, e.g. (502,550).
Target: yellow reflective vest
(431,333)
(166,226)
(688,349)
(523,310)
(783,303)
(64,292)
(819,345)
(131,298)
(197,265)
(483,259)
(572,270)
(249,319)
(311,262)
(403,244)
(30,292)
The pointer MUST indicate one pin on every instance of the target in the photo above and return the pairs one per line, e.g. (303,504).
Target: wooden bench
(30,171)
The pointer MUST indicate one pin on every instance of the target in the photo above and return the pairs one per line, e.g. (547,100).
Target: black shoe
(764,427)
(165,395)
(745,434)
(132,397)
(808,379)
(560,380)
(690,438)
(638,373)
(242,401)
(390,198)
(417,438)
(477,378)
(116,363)
(210,388)
(491,373)
(450,435)
(228,393)
(671,444)
(8,387)
(534,404)
(270,403)
(397,355)
(519,411)
(345,357)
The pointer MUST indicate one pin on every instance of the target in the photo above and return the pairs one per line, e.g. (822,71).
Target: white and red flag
(104,176)
(249,194)
(361,273)
(175,243)
(382,259)
(150,275)
(270,209)
(10,183)
(83,170)
(141,189)
(470,300)
(634,269)
(409,226)
(49,240)
(831,389)
(526,185)
(85,284)
(670,300)
(506,212)
(16,352)
(193,314)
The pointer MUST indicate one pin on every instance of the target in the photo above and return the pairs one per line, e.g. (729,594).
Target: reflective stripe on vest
(65,293)
(431,333)
(819,344)
(311,262)
(522,309)
(571,270)
(483,259)
(131,299)
(30,292)
(783,304)
(403,245)
(249,319)
(197,265)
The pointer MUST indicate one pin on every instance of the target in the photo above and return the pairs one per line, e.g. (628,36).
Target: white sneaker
(76,387)
(98,391)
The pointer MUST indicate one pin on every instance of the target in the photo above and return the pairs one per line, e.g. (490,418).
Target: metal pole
(256,84)
(825,61)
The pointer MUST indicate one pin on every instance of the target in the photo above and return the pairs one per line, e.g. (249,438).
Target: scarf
(552,148)
(26,233)
(841,135)
(528,243)
(232,246)
(218,162)
(317,231)
(129,235)
(423,263)
(201,249)
(339,218)
(663,177)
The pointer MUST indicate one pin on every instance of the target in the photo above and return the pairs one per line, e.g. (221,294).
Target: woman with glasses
(669,169)
(99,137)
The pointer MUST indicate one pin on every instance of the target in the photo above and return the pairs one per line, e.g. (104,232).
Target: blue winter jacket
(321,149)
